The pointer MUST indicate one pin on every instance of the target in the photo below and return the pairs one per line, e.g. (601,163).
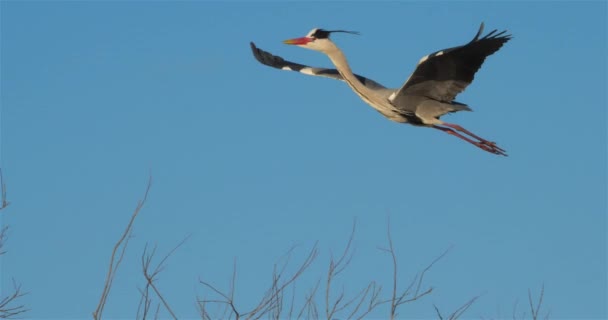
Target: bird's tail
(457,106)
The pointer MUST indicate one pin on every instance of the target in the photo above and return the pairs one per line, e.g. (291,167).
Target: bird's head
(317,39)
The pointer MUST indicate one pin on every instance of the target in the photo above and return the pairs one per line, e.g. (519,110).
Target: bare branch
(3,202)
(144,303)
(345,259)
(438,313)
(227,300)
(460,311)
(156,314)
(534,310)
(271,303)
(266,302)
(395,300)
(151,276)
(373,290)
(292,304)
(119,250)
(417,292)
(374,301)
(7,311)
(391,251)
(277,304)
(201,309)
(233,280)
(3,236)
(335,268)
(309,299)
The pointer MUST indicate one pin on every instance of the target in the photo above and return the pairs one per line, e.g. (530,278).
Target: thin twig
(438,313)
(309,299)
(395,300)
(265,303)
(3,236)
(271,302)
(151,276)
(4,203)
(394,259)
(119,249)
(144,303)
(373,291)
(228,301)
(534,310)
(335,268)
(460,311)
(293,298)
(374,301)
(6,310)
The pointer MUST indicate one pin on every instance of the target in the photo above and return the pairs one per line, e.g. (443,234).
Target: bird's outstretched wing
(271,60)
(444,74)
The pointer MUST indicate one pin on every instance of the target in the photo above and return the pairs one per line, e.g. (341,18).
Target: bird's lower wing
(271,60)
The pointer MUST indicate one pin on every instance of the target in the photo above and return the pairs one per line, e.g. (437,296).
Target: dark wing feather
(271,60)
(444,74)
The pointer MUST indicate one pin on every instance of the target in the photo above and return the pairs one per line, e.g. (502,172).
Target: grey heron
(425,96)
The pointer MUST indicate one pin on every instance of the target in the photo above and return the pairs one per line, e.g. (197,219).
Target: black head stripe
(321,34)
(324,34)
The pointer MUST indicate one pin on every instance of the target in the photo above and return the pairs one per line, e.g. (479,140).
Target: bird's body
(426,95)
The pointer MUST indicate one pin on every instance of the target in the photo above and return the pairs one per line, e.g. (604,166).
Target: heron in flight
(425,96)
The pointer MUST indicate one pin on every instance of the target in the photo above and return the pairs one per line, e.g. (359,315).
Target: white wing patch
(423,59)
(308,71)
(427,56)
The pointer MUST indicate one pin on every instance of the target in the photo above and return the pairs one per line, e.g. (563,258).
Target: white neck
(369,96)
(339,60)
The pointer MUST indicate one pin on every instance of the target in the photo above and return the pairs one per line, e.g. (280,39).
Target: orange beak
(298,41)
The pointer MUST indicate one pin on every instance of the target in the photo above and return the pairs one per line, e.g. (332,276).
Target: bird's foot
(491,147)
(492,144)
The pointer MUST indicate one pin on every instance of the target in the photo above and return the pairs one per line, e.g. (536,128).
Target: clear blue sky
(250,160)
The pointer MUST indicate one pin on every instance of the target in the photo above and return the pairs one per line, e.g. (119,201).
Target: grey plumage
(271,60)
(428,93)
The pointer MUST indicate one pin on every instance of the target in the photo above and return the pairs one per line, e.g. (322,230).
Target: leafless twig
(535,310)
(144,303)
(4,203)
(7,311)
(407,295)
(118,254)
(461,310)
(335,268)
(373,290)
(151,275)
(228,299)
(267,302)
(309,300)
(271,299)
(458,312)
(3,236)
(438,312)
